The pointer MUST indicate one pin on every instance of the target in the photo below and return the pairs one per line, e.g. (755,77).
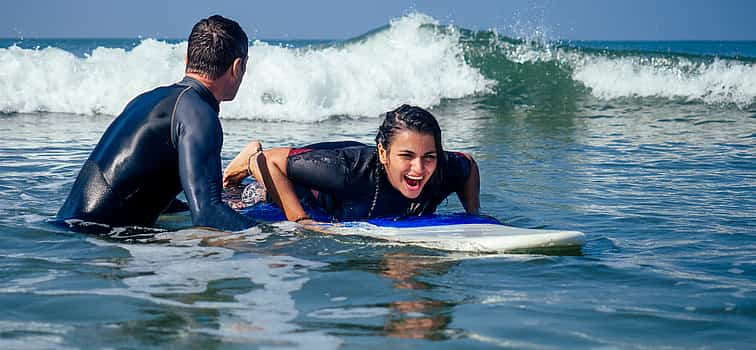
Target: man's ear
(382,154)
(237,68)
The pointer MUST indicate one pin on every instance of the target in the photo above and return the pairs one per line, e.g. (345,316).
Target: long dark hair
(417,119)
(214,44)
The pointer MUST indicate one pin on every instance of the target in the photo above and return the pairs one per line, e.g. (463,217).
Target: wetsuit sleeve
(456,172)
(198,138)
(323,170)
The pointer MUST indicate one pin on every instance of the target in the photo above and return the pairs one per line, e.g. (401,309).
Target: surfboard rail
(450,232)
(475,237)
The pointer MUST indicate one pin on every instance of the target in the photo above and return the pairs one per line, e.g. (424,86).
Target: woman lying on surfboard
(407,172)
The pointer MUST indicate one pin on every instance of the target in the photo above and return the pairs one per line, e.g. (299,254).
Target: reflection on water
(423,318)
(189,289)
(250,296)
(418,319)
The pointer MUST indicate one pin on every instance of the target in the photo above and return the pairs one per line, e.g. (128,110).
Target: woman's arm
(270,169)
(469,194)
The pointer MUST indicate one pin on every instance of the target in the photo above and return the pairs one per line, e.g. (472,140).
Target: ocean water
(649,148)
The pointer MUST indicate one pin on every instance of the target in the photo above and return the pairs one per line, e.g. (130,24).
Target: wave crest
(612,75)
(717,82)
(410,61)
(413,60)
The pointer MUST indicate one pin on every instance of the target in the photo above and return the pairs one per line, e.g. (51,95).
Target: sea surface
(649,148)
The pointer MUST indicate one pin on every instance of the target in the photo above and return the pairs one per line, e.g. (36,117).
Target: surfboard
(450,232)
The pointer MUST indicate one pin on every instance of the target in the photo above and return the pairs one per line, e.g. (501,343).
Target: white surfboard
(476,237)
(451,232)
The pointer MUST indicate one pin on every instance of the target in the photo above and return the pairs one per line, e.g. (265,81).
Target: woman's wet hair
(214,43)
(413,118)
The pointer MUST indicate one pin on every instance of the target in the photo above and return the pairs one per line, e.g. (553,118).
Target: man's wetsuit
(344,176)
(165,141)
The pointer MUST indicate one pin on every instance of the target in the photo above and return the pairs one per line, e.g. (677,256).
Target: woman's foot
(240,166)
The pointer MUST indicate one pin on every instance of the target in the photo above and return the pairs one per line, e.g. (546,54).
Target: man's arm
(199,139)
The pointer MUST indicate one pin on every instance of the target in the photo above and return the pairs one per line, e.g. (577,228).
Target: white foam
(407,63)
(718,81)
(503,297)
(348,313)
(35,335)
(52,259)
(29,281)
(54,80)
(721,81)
(503,343)
(31,326)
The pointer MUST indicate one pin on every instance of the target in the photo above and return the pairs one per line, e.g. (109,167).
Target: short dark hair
(214,44)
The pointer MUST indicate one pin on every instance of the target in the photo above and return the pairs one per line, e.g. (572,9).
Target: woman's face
(410,161)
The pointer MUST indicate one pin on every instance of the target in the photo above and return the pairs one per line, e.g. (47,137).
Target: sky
(342,19)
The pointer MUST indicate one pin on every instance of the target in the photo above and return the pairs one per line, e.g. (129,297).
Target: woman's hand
(315,226)
(240,166)
(469,195)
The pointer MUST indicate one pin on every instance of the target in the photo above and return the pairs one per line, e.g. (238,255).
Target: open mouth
(413,182)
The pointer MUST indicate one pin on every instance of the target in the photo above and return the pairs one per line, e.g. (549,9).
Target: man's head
(214,44)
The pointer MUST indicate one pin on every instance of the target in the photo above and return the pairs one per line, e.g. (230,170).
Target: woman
(407,172)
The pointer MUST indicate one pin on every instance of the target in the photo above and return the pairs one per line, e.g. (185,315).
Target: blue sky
(340,19)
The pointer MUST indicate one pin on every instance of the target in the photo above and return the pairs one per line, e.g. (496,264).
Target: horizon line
(344,39)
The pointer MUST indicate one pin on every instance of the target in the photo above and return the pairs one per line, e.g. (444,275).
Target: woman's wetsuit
(345,176)
(165,141)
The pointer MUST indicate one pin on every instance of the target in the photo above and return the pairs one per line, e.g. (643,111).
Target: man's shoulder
(182,93)
(190,103)
(155,95)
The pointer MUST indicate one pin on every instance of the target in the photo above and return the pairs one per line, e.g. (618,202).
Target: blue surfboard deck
(452,232)
(266,212)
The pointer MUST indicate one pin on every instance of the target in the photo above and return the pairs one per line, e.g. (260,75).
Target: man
(168,140)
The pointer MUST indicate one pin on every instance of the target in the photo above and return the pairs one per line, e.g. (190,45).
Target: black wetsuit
(344,177)
(165,141)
